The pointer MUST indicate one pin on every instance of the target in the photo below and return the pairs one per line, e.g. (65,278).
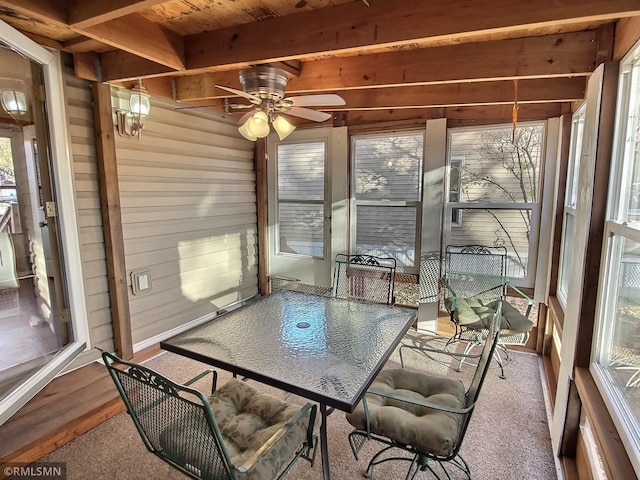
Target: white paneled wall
(188,202)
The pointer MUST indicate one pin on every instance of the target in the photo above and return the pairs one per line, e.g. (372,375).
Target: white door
(43,73)
(307,184)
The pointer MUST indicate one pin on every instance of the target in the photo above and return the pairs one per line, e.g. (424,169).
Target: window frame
(321,202)
(535,207)
(616,231)
(417,204)
(459,159)
(569,210)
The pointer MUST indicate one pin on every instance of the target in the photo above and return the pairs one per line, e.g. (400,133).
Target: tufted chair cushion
(247,420)
(427,429)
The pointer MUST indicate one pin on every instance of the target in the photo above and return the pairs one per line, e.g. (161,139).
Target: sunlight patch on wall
(213,266)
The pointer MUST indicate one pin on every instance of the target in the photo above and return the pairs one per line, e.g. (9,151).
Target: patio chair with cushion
(364,277)
(474,282)
(423,414)
(237,433)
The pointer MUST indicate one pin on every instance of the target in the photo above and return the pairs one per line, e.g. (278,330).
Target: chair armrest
(522,294)
(309,408)
(413,401)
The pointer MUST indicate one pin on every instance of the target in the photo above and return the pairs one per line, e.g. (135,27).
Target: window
(570,201)
(498,192)
(455,183)
(616,357)
(386,195)
(300,186)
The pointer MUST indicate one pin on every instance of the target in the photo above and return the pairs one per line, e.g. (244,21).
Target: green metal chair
(425,415)
(237,433)
(474,281)
(364,277)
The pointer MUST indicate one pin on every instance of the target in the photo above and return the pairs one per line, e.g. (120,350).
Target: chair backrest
(364,277)
(476,271)
(483,366)
(176,422)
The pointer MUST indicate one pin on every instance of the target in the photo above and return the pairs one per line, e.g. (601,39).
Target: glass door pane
(33,311)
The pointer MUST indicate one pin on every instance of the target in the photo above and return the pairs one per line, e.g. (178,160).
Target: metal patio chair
(364,277)
(474,280)
(237,433)
(423,414)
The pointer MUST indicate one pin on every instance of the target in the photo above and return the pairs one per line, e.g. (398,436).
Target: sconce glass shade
(14,102)
(282,127)
(139,101)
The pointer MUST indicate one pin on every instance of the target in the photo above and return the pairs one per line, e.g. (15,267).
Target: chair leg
(496,355)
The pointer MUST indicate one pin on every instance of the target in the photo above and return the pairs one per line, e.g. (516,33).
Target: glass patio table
(325,349)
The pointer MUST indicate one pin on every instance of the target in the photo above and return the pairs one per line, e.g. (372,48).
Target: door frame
(312,270)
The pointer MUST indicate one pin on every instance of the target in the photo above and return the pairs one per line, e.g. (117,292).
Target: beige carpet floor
(508,437)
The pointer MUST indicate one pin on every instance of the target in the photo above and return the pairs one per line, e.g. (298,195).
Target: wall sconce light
(257,126)
(14,102)
(131,122)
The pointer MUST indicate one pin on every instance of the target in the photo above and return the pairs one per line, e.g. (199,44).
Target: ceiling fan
(264,87)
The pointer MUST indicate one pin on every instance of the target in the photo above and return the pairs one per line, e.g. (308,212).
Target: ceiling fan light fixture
(258,124)
(244,131)
(282,127)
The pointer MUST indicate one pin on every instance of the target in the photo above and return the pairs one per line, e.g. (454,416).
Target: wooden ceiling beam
(131,33)
(82,44)
(144,38)
(465,94)
(456,116)
(118,66)
(87,13)
(353,28)
(571,54)
(43,10)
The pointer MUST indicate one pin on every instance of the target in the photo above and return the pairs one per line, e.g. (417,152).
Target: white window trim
(417,204)
(278,202)
(535,208)
(613,400)
(615,227)
(460,161)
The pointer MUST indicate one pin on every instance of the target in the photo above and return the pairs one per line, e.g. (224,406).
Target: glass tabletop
(322,348)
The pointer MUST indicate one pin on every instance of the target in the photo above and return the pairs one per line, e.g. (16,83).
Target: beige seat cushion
(477,314)
(247,419)
(427,429)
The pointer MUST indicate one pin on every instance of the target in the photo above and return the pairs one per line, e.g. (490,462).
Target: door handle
(44,223)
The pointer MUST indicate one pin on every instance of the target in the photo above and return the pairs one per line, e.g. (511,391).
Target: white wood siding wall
(82,144)
(187,190)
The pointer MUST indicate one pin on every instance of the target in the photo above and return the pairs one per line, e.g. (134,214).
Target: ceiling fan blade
(255,99)
(320,100)
(307,113)
(187,107)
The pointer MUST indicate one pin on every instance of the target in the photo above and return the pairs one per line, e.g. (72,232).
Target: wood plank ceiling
(392,61)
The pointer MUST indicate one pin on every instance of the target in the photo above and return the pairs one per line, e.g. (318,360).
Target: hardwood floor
(69,406)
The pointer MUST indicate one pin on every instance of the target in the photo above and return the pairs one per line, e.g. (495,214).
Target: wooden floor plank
(69,406)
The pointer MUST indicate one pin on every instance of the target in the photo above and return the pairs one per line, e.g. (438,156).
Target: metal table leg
(324,447)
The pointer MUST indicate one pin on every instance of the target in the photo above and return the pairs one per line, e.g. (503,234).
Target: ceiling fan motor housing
(266,82)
